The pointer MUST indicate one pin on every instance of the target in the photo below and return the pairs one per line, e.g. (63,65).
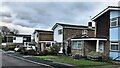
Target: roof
(68,25)
(109,8)
(89,38)
(43,31)
(22,35)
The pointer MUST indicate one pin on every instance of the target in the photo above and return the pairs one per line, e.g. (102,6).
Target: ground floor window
(114,46)
(76,44)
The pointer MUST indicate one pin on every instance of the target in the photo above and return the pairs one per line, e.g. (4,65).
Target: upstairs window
(114,22)
(84,32)
(60,31)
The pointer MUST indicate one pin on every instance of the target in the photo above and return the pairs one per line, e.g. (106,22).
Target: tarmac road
(11,62)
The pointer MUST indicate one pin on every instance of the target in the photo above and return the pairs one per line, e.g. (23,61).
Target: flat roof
(83,39)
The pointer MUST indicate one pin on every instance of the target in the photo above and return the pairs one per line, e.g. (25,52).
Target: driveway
(10,62)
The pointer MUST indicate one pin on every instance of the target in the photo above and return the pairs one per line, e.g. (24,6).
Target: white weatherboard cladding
(18,40)
(114,14)
(58,37)
(36,38)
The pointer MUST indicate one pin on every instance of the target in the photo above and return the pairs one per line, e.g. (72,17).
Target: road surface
(11,62)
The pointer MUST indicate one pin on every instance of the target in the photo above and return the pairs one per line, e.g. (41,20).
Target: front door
(101,48)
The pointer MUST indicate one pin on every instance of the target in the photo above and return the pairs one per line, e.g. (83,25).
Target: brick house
(43,39)
(106,40)
(64,32)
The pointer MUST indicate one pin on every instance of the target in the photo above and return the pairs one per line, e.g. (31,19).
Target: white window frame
(114,21)
(84,32)
(114,43)
(59,33)
(77,44)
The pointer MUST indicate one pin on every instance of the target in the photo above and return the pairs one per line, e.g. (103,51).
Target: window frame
(60,31)
(114,20)
(77,42)
(114,43)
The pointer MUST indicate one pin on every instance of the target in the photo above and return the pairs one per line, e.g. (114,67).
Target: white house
(20,39)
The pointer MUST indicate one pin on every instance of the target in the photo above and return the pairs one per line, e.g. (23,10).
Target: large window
(76,45)
(114,22)
(115,46)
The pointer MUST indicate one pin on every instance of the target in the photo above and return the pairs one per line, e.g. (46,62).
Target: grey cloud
(44,15)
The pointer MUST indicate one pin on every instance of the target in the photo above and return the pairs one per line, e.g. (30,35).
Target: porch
(85,45)
(42,45)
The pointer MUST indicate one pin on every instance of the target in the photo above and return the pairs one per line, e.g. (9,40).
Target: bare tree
(5,30)
(15,31)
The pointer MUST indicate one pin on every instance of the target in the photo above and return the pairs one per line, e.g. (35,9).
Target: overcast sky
(26,16)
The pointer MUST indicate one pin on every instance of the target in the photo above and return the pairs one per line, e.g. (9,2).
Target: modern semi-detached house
(108,26)
(43,39)
(64,32)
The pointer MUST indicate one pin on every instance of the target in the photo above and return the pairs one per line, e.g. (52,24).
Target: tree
(15,31)
(68,50)
(5,30)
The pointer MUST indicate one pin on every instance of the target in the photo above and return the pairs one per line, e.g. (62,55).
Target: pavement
(16,60)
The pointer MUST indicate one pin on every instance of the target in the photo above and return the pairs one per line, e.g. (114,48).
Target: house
(106,40)
(108,26)
(7,39)
(64,32)
(43,39)
(21,39)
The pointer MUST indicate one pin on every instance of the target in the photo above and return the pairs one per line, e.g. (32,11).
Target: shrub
(31,52)
(27,52)
(53,50)
(45,52)
(94,55)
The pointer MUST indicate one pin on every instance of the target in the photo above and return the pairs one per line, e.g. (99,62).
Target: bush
(45,52)
(9,47)
(27,52)
(53,50)
(94,55)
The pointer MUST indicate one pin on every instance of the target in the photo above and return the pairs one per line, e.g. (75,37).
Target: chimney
(89,24)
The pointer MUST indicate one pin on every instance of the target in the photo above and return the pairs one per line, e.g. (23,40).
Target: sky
(28,16)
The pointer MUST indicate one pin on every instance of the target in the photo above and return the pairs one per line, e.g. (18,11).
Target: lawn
(70,60)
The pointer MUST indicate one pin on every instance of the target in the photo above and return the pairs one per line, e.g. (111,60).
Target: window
(48,44)
(114,46)
(60,31)
(84,32)
(119,21)
(14,38)
(24,38)
(114,22)
(76,45)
